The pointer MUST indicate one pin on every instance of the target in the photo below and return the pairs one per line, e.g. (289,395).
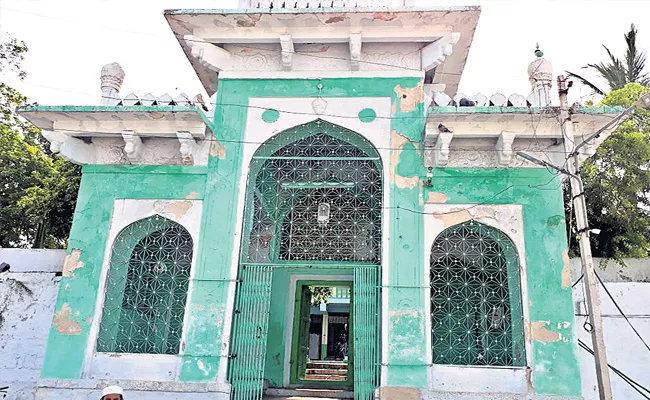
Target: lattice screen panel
(146,288)
(476,309)
(316,194)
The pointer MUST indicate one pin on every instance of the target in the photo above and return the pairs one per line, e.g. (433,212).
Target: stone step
(325,377)
(295,394)
(327,365)
(326,371)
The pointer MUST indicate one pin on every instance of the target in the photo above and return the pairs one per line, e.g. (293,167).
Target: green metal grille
(365,304)
(476,309)
(146,288)
(316,195)
(248,347)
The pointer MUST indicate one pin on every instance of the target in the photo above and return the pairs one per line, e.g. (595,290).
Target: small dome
(540,69)
(112,76)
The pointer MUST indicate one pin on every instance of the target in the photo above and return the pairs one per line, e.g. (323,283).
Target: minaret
(112,77)
(540,75)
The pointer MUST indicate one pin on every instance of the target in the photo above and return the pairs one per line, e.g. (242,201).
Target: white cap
(112,390)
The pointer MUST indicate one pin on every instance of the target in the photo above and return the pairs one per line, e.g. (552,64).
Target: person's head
(112,393)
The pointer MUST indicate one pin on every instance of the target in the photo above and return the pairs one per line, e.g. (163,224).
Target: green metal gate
(314,196)
(365,307)
(251,319)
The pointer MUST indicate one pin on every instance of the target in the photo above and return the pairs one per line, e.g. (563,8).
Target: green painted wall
(216,247)
(555,364)
(100,186)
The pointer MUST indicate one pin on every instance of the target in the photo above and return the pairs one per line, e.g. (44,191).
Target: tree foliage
(619,72)
(38,189)
(320,294)
(617,183)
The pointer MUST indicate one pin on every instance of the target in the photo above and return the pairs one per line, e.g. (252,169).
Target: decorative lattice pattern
(476,309)
(316,195)
(146,288)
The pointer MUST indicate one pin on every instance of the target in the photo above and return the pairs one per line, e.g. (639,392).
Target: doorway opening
(322,353)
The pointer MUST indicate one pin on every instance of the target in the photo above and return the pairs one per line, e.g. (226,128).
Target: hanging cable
(622,313)
(634,384)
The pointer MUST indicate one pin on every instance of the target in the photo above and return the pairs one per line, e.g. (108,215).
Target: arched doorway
(313,198)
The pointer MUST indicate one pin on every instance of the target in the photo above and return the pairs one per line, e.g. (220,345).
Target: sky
(70,40)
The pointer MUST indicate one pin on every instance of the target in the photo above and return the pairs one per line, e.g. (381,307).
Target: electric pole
(580,210)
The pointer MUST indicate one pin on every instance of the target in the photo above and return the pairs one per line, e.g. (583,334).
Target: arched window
(146,288)
(476,308)
(314,193)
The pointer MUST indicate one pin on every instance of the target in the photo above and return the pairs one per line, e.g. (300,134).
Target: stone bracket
(436,149)
(188,147)
(286,42)
(133,147)
(434,54)
(355,51)
(209,55)
(504,148)
(70,148)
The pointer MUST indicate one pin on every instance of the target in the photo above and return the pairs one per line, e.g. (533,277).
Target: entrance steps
(326,371)
(307,394)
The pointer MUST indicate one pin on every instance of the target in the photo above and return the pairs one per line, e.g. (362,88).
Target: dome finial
(111,78)
(538,52)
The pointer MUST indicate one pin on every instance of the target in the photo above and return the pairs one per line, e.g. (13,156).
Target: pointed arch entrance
(313,199)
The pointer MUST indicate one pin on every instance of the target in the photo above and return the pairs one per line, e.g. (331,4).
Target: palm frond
(585,82)
(634,59)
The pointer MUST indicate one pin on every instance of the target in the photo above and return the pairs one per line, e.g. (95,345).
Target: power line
(621,311)
(634,384)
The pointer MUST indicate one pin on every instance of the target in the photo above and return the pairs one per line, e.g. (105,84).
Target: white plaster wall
(27,301)
(33,260)
(625,350)
(327,57)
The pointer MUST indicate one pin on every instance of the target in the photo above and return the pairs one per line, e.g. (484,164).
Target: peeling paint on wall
(64,324)
(192,196)
(453,217)
(384,16)
(72,262)
(202,367)
(176,208)
(555,221)
(406,327)
(249,21)
(540,332)
(336,18)
(409,97)
(398,142)
(217,150)
(566,271)
(437,197)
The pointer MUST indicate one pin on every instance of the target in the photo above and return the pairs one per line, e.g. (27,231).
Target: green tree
(38,189)
(616,72)
(320,294)
(617,183)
